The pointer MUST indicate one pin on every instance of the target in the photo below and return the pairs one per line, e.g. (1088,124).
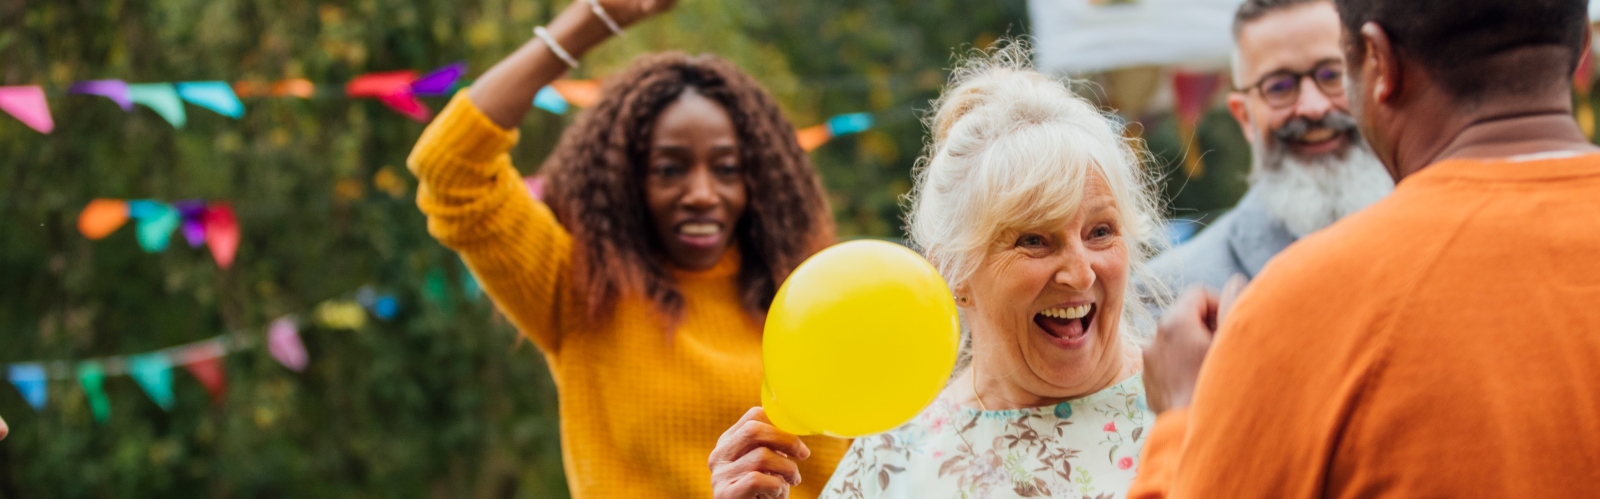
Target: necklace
(975,388)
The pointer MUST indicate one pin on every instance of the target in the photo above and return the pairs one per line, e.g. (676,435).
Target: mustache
(1296,129)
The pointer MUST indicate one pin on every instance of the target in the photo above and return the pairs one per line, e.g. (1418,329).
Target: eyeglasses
(1281,89)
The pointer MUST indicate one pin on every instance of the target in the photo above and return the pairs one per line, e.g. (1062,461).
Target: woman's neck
(985,387)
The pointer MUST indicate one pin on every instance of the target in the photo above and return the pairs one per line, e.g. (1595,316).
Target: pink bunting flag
(222,233)
(393,88)
(283,342)
(28,105)
(408,105)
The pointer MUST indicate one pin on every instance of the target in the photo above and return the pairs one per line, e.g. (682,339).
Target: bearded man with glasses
(1310,166)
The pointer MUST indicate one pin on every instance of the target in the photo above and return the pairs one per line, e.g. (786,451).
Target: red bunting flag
(222,233)
(1193,92)
(210,373)
(393,88)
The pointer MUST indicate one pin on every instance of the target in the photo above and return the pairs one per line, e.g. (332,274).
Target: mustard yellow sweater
(640,410)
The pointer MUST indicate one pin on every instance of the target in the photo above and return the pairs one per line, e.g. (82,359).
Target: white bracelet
(555,48)
(599,11)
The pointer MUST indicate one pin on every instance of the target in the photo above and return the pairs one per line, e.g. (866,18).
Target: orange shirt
(1443,343)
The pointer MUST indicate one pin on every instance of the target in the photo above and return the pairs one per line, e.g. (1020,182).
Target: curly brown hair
(595,186)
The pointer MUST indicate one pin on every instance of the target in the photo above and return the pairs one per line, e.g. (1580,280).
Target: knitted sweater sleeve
(478,205)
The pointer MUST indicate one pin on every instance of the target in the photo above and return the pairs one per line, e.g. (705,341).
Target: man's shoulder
(1211,257)
(1366,252)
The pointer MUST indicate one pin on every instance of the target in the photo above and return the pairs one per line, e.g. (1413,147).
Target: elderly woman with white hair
(1035,209)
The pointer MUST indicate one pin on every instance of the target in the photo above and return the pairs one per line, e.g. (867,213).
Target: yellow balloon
(859,339)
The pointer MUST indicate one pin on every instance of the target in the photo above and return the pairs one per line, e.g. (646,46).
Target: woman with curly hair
(673,209)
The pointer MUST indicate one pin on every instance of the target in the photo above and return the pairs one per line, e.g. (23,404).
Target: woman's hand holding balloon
(754,459)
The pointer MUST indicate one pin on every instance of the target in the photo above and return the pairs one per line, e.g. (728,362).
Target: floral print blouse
(1083,448)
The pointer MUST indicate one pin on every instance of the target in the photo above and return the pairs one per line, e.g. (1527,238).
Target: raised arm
(505,92)
(475,199)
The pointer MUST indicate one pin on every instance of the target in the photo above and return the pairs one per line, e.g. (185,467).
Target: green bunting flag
(93,379)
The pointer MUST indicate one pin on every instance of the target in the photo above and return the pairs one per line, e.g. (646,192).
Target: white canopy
(1079,36)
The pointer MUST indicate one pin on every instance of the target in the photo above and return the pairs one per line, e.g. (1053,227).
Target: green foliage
(442,401)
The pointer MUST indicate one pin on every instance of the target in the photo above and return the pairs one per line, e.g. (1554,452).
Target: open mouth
(1319,139)
(700,234)
(1069,324)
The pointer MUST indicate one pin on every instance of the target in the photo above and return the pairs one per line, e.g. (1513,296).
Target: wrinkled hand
(754,459)
(627,12)
(1172,362)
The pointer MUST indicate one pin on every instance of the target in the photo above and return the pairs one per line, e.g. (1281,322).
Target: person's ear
(1380,62)
(1239,107)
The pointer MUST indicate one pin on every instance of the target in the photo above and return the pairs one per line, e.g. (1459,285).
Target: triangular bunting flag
(30,379)
(469,285)
(439,81)
(93,379)
(222,233)
(210,373)
(102,217)
(849,123)
(193,212)
(812,137)
(381,84)
(161,98)
(153,372)
(408,105)
(116,90)
(581,93)
(283,342)
(28,105)
(214,95)
(550,100)
(297,87)
(156,221)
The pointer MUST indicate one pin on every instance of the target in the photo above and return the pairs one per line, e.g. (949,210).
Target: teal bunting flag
(549,99)
(849,123)
(153,372)
(214,95)
(161,98)
(156,221)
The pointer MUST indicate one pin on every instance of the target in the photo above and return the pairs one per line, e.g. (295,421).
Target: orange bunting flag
(813,137)
(581,93)
(297,87)
(102,217)
(222,233)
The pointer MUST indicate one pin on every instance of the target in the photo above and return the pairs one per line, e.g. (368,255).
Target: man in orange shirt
(1445,342)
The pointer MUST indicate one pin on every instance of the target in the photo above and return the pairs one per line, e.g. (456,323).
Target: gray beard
(1310,195)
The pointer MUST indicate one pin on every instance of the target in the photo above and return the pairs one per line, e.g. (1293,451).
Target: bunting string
(399,90)
(152,370)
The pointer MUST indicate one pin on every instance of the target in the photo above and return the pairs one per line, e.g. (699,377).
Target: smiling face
(694,181)
(1046,303)
(1272,51)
